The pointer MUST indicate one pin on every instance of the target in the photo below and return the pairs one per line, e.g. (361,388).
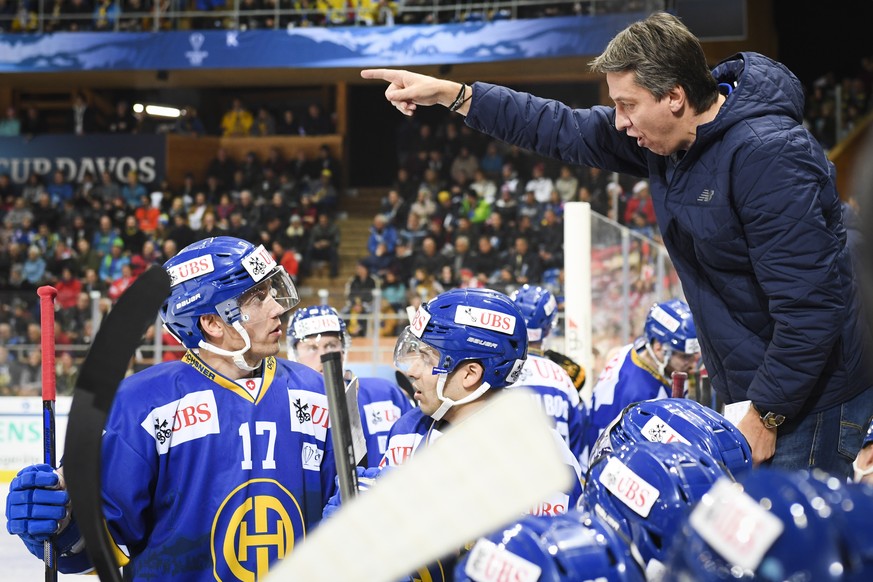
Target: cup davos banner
(76,155)
(313,47)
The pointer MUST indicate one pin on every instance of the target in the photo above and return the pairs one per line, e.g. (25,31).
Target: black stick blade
(102,371)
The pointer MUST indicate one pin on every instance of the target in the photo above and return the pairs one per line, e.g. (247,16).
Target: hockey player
(556,393)
(213,466)
(460,347)
(642,370)
(318,330)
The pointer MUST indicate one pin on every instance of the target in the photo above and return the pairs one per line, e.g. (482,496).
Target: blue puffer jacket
(752,221)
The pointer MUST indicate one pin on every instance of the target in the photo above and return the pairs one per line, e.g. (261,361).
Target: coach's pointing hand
(407,90)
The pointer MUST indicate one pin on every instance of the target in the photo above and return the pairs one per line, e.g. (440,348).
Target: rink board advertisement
(21,432)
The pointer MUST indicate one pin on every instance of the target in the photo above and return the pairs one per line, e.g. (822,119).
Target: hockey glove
(37,505)
(366,477)
(574,370)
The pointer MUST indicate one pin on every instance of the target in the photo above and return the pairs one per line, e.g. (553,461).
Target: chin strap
(447,403)
(662,365)
(237,355)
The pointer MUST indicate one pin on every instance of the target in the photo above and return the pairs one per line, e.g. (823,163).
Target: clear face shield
(273,296)
(258,303)
(412,355)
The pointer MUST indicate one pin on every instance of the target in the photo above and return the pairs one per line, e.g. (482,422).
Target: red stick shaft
(678,379)
(47,296)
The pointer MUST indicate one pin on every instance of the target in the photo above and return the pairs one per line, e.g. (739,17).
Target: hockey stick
(101,373)
(480,475)
(340,424)
(47,296)
(678,380)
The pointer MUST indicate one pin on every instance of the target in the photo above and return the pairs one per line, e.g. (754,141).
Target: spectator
(196,211)
(33,272)
(359,288)
(484,187)
(324,241)
(107,190)
(287,257)
(133,191)
(144,258)
(265,123)
(237,122)
(381,232)
(567,184)
(120,285)
(181,232)
(423,206)
(59,190)
(523,262)
(131,235)
(464,166)
(395,209)
(33,123)
(540,184)
(429,259)
(639,211)
(147,216)
(222,166)
(288,124)
(315,122)
(189,123)
(10,125)
(30,381)
(394,290)
(111,265)
(295,234)
(10,373)
(66,373)
(122,120)
(82,117)
(105,237)
(17,214)
(491,163)
(324,194)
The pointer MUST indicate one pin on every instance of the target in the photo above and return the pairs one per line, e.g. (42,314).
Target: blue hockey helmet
(572,546)
(316,320)
(223,276)
(771,525)
(646,489)
(671,420)
(466,324)
(671,324)
(539,308)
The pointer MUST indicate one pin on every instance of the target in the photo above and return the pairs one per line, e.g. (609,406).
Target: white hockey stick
(480,475)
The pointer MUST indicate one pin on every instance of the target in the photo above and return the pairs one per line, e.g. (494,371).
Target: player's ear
(472,374)
(212,327)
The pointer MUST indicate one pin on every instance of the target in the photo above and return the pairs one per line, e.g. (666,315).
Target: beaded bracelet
(459,100)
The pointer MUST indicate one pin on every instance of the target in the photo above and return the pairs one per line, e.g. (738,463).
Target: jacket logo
(706,195)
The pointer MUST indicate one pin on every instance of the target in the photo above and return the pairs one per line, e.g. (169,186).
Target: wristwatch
(770,419)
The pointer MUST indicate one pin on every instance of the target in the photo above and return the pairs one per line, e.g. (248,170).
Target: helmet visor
(412,354)
(259,302)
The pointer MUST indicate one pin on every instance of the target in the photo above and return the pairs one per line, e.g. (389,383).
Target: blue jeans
(827,440)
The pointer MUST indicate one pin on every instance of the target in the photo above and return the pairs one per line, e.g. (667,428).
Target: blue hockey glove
(36,506)
(366,478)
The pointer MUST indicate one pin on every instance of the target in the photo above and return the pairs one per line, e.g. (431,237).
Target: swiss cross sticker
(485,319)
(735,525)
(258,263)
(658,431)
(419,322)
(628,487)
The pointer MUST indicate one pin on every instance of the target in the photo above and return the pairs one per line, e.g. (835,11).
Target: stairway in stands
(357,209)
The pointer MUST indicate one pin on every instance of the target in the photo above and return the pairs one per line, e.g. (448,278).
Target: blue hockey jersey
(558,398)
(624,380)
(381,403)
(207,479)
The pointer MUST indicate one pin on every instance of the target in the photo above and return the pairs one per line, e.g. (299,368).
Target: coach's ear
(471,374)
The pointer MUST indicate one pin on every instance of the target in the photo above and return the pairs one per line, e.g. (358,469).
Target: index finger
(390,75)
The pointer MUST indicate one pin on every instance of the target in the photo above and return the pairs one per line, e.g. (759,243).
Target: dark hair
(662,53)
